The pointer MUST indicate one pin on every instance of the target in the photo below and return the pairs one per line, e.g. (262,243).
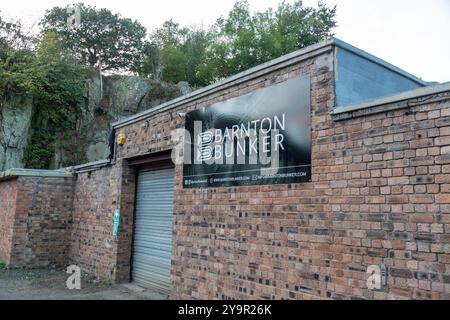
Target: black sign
(263,137)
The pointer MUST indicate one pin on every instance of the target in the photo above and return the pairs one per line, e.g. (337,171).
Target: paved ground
(51,285)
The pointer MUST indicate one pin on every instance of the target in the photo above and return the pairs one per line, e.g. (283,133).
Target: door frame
(149,162)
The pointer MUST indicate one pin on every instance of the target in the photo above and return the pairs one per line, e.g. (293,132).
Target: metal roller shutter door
(153,229)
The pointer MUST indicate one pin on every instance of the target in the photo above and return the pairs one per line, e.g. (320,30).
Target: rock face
(107,101)
(15,121)
(122,95)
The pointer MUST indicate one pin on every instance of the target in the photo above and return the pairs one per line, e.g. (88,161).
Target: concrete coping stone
(390,103)
(60,173)
(19,172)
(90,166)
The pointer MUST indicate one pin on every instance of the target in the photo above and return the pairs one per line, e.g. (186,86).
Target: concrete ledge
(399,101)
(90,166)
(14,173)
(61,173)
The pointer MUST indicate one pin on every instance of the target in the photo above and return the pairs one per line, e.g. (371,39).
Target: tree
(59,80)
(150,66)
(235,43)
(15,59)
(243,40)
(119,40)
(177,54)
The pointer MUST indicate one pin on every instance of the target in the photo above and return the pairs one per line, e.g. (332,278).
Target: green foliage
(119,40)
(244,40)
(40,149)
(14,72)
(234,43)
(149,66)
(176,54)
(48,74)
(59,83)
(100,283)
(58,91)
(15,59)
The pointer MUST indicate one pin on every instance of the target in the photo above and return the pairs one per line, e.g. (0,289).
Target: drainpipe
(112,143)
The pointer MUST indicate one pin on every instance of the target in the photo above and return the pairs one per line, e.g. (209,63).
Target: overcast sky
(411,34)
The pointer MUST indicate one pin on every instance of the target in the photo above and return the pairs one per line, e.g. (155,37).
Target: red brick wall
(57,221)
(36,221)
(94,248)
(383,185)
(379,194)
(8,193)
(46,206)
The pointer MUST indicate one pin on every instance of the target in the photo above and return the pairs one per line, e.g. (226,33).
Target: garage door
(153,229)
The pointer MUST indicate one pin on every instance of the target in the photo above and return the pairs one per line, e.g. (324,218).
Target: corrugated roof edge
(269,66)
(397,98)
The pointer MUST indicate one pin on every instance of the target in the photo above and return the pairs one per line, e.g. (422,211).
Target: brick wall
(44,206)
(59,221)
(384,179)
(379,194)
(36,221)
(97,195)
(8,193)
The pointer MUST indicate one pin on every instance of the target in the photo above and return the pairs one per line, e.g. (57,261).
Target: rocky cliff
(15,121)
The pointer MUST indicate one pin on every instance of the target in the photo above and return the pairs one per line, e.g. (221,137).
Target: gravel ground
(50,284)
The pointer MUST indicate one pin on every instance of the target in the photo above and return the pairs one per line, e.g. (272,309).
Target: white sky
(411,34)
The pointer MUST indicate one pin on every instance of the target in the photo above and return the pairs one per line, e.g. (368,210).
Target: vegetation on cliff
(58,87)
(40,69)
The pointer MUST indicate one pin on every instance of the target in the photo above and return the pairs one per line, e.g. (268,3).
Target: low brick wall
(36,221)
(54,221)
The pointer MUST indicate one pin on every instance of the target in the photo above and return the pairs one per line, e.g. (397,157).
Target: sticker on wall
(263,137)
(116,222)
